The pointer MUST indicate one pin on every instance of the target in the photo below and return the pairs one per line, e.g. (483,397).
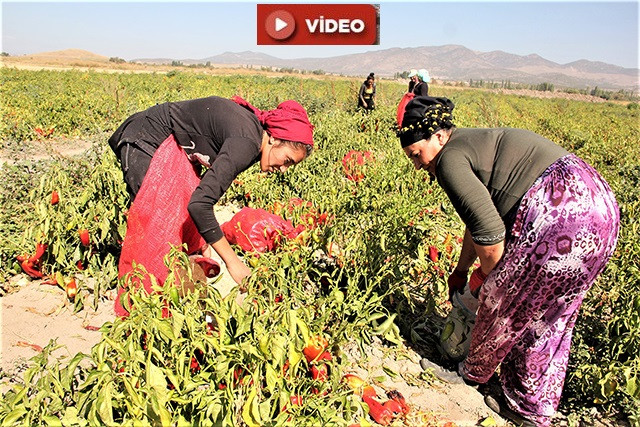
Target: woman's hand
(239,271)
(457,281)
(476,281)
(489,257)
(207,251)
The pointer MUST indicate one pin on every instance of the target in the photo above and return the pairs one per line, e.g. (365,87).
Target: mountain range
(447,63)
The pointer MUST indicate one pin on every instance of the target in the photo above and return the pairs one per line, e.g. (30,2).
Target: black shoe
(442,374)
(499,406)
(466,380)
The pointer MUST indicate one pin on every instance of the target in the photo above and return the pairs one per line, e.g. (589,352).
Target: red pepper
(324,356)
(84,236)
(315,347)
(209,266)
(143,340)
(433,253)
(79,265)
(195,366)
(320,372)
(50,281)
(353,381)
(352,164)
(238,376)
(72,289)
(393,406)
(379,413)
(398,397)
(30,264)
(237,373)
(358,385)
(278,207)
(368,392)
(40,249)
(34,347)
(31,270)
(296,400)
(54,197)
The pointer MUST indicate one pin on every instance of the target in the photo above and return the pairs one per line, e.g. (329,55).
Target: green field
(381,280)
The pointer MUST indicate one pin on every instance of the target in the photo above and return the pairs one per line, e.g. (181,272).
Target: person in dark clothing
(420,79)
(413,73)
(543,224)
(367,94)
(224,136)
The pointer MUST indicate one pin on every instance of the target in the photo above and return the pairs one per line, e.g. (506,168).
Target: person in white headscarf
(413,79)
(422,79)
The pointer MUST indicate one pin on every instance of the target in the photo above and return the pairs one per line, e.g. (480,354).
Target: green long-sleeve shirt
(485,173)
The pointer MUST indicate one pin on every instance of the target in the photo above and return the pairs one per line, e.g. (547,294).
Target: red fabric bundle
(158,218)
(258,230)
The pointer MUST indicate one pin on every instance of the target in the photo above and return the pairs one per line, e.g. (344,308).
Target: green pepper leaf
(248,411)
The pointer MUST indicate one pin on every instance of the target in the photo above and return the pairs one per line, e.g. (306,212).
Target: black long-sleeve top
(421,89)
(213,131)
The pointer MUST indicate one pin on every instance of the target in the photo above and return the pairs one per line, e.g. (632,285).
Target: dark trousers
(133,145)
(135,163)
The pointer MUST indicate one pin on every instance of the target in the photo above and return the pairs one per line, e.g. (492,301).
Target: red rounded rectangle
(317,24)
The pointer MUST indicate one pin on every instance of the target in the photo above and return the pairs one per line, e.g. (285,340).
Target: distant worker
(418,86)
(421,79)
(413,77)
(372,76)
(367,94)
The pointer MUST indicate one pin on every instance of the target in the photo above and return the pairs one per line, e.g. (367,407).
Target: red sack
(258,230)
(402,107)
(158,218)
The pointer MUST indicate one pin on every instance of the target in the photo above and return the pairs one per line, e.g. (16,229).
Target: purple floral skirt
(565,230)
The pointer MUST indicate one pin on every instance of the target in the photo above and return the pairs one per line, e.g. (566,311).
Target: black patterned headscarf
(423,116)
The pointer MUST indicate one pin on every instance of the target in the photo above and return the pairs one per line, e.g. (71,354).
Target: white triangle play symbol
(280,24)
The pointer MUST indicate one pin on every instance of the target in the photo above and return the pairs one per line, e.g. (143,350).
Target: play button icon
(280,25)
(317,24)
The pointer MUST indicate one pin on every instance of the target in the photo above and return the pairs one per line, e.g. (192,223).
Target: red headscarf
(289,121)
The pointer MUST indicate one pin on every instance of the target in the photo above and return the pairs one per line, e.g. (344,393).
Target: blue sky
(559,31)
